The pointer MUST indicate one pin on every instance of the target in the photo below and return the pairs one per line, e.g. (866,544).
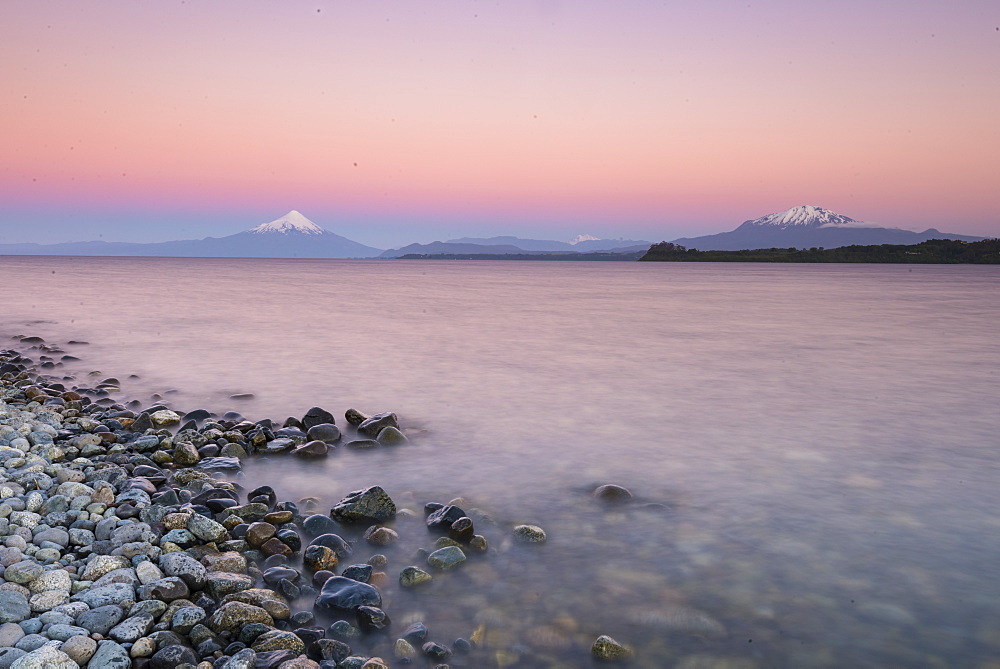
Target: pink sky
(393,122)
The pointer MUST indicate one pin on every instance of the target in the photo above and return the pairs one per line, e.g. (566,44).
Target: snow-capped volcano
(809,226)
(805,216)
(293,221)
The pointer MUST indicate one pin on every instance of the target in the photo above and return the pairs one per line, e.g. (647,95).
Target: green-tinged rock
(530,534)
(232,616)
(607,649)
(278,640)
(446,558)
(413,576)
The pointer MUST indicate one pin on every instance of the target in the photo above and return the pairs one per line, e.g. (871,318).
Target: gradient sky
(394,122)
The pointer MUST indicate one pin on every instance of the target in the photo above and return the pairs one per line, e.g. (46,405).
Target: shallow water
(820,442)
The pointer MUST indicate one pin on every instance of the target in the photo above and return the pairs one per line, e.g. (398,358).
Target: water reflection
(818,443)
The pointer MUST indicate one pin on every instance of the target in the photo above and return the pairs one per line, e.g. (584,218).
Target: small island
(932,252)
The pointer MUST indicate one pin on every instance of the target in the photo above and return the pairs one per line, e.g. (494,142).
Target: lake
(812,449)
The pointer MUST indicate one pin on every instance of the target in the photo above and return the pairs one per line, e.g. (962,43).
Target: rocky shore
(126,541)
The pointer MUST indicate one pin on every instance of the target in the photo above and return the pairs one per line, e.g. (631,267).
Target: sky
(413,121)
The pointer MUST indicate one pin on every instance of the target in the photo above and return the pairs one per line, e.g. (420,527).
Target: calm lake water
(813,449)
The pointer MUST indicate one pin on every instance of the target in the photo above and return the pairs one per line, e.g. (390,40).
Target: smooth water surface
(813,448)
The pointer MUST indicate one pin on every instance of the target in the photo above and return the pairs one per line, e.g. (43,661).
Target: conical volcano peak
(293,221)
(805,216)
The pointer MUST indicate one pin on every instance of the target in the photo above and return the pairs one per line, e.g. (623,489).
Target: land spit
(128,540)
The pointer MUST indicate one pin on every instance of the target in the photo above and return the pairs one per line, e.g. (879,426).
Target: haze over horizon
(412,122)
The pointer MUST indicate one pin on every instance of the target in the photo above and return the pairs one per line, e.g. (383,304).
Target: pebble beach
(129,541)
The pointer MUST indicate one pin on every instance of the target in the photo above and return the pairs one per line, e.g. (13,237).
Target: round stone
(446,558)
(530,534)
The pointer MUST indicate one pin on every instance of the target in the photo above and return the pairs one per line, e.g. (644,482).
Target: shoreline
(126,545)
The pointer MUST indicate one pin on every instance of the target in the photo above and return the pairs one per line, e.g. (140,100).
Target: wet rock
(358,572)
(613,494)
(316,416)
(317,524)
(218,584)
(354,417)
(377,535)
(368,505)
(258,533)
(325,432)
(462,530)
(372,618)
(274,546)
(318,557)
(443,517)
(530,534)
(436,651)
(413,576)
(329,649)
(372,426)
(363,444)
(391,436)
(344,594)
(312,449)
(446,558)
(607,649)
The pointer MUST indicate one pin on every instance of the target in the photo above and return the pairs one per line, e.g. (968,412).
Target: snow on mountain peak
(584,238)
(293,221)
(804,216)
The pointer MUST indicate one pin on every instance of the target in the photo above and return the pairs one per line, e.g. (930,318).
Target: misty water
(813,449)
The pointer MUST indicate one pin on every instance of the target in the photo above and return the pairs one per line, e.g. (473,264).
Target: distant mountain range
(291,236)
(517,246)
(295,236)
(809,227)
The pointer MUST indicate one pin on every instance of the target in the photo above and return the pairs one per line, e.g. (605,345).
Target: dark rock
(372,618)
(142,423)
(362,444)
(391,436)
(462,530)
(290,538)
(372,426)
(309,634)
(415,633)
(272,659)
(312,449)
(345,594)
(614,494)
(369,505)
(328,649)
(319,557)
(170,657)
(249,632)
(358,572)
(355,417)
(274,546)
(436,651)
(316,416)
(275,574)
(325,432)
(442,518)
(317,524)
(265,490)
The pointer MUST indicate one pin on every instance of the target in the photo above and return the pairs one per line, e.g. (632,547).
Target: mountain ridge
(808,226)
